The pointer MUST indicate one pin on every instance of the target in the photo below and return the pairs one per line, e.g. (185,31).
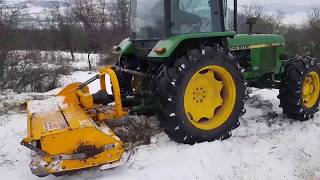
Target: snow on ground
(53,58)
(81,59)
(266,146)
(47,105)
(83,76)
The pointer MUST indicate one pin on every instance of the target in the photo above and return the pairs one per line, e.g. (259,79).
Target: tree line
(82,26)
(96,25)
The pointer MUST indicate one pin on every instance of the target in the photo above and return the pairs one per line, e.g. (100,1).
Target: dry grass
(135,130)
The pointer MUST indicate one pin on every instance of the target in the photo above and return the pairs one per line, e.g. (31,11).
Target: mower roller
(185,63)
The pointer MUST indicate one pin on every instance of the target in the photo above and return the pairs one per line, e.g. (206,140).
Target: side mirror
(251,21)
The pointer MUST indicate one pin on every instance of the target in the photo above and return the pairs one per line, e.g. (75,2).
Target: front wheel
(300,88)
(201,97)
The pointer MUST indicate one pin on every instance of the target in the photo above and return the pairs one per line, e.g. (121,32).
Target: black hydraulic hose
(118,69)
(128,71)
(89,81)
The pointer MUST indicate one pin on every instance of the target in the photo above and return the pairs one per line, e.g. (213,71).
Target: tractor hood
(246,41)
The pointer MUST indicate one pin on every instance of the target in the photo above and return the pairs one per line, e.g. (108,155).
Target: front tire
(299,89)
(201,97)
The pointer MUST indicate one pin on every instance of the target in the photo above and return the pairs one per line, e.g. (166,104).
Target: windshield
(193,16)
(190,16)
(147,19)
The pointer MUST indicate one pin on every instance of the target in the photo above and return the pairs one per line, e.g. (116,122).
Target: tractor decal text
(257,46)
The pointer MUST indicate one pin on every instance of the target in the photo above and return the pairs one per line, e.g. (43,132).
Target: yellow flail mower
(68,132)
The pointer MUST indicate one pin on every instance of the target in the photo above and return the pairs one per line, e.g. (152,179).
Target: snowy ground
(265,146)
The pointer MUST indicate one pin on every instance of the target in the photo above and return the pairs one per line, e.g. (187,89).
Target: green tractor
(185,62)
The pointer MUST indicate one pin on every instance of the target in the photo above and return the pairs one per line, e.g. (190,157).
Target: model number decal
(237,48)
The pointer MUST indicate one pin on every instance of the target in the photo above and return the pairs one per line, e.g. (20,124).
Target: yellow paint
(69,93)
(86,99)
(67,143)
(71,129)
(63,132)
(258,46)
(119,112)
(310,89)
(100,159)
(210,97)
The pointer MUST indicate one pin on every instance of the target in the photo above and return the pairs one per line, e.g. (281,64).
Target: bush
(28,71)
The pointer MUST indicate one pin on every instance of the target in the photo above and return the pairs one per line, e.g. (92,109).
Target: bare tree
(120,18)
(60,22)
(266,22)
(312,32)
(314,18)
(85,11)
(8,20)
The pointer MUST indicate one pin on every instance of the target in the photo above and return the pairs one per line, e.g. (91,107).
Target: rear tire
(293,91)
(171,96)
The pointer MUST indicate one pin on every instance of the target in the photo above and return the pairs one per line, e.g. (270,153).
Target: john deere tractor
(184,63)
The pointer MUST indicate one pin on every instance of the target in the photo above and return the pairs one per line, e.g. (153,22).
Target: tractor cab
(159,19)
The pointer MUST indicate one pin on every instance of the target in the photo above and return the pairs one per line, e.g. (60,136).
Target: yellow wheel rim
(310,89)
(210,97)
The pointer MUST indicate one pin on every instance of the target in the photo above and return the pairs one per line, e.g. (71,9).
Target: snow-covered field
(266,146)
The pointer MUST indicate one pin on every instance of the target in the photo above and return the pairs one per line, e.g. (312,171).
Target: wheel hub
(199,95)
(210,97)
(310,89)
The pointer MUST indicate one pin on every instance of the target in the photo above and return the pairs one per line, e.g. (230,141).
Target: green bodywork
(173,42)
(126,47)
(265,49)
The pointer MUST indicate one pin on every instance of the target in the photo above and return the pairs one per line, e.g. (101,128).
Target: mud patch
(88,150)
(4,161)
(269,115)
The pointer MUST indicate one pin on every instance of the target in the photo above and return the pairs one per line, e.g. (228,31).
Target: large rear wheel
(201,97)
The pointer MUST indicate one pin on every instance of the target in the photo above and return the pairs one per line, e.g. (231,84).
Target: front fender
(126,47)
(173,42)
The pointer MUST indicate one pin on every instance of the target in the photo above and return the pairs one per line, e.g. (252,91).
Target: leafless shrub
(107,58)
(27,72)
(135,131)
(314,17)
